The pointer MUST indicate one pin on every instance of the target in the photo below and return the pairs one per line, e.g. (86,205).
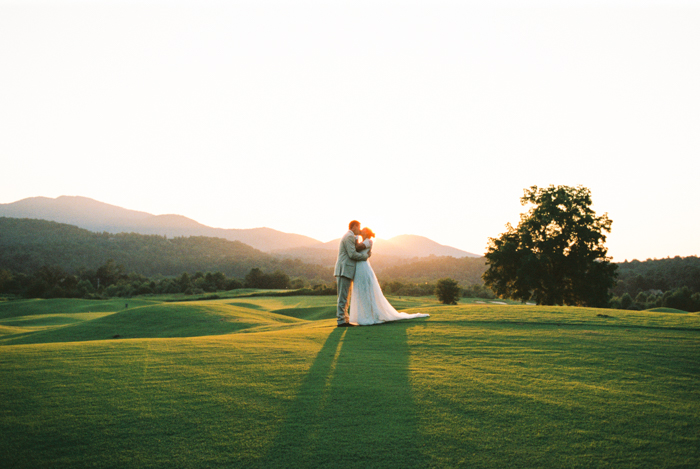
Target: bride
(367,302)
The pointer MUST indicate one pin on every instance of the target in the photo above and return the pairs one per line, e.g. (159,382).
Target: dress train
(368,305)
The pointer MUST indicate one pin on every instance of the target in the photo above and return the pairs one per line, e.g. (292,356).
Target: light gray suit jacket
(348,256)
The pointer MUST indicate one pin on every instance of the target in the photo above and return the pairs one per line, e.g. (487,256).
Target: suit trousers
(344,292)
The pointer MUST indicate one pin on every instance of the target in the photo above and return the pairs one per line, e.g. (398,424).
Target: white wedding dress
(367,302)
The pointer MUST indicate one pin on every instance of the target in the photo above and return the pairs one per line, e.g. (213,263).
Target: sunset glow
(419,118)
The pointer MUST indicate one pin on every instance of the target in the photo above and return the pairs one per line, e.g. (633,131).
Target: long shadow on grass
(355,406)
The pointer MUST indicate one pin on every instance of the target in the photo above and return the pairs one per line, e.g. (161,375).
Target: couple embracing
(358,283)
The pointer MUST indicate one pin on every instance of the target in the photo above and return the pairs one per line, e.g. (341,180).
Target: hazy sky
(424,118)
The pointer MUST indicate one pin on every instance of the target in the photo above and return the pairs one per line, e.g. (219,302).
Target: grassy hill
(270,382)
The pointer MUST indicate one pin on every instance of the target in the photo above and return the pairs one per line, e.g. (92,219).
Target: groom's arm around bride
(348,255)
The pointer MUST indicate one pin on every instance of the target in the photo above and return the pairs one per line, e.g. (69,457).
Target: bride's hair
(367,233)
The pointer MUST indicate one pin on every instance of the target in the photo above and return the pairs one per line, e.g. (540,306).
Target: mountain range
(98,216)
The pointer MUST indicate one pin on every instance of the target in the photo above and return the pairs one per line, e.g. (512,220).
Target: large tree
(556,255)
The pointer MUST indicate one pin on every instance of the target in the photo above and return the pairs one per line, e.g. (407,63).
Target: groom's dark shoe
(346,324)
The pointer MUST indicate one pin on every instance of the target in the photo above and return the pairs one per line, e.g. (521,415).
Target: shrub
(448,291)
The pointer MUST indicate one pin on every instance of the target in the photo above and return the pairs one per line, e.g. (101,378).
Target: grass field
(270,382)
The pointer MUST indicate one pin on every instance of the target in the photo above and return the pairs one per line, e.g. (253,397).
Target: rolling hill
(27,244)
(100,217)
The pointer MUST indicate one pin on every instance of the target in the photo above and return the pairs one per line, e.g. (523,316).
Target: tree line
(111,280)
(680,298)
(465,270)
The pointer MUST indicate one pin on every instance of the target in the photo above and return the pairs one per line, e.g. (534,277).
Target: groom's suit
(348,256)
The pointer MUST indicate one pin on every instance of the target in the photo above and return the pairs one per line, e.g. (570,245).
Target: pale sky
(425,118)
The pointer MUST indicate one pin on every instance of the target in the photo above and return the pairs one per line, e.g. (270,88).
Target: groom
(348,256)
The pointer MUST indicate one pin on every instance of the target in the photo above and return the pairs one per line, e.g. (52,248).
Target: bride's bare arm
(362,246)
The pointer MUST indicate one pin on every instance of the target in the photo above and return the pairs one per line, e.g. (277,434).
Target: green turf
(270,382)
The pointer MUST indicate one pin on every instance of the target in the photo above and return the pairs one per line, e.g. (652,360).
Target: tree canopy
(556,255)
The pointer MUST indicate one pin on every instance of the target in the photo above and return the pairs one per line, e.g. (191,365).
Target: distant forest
(38,256)
(47,259)
(26,245)
(658,275)
(671,282)
(465,270)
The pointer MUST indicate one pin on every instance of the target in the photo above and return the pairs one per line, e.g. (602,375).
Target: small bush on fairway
(447,291)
